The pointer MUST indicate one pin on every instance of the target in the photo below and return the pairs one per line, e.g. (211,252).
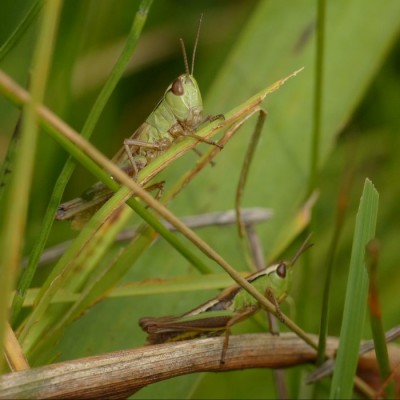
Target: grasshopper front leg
(140,161)
(234,320)
(272,298)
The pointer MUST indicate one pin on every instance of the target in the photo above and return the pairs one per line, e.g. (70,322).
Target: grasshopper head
(183,95)
(276,278)
(280,276)
(184,100)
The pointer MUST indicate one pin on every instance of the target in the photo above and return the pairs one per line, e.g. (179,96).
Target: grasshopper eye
(177,87)
(281,270)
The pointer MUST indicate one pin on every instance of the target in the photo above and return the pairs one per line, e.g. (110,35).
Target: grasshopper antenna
(305,246)
(195,43)
(185,60)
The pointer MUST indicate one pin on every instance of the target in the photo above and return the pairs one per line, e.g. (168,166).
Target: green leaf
(355,305)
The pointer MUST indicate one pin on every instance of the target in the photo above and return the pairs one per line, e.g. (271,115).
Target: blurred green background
(244,46)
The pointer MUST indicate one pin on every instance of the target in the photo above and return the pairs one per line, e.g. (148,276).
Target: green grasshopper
(231,306)
(178,114)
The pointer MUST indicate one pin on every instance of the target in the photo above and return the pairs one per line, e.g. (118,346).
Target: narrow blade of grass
(318,95)
(356,296)
(20,29)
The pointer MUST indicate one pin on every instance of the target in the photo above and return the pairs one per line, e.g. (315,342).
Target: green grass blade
(318,96)
(20,29)
(356,296)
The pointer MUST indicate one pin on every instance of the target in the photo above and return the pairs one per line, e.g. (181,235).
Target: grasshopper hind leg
(137,162)
(159,186)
